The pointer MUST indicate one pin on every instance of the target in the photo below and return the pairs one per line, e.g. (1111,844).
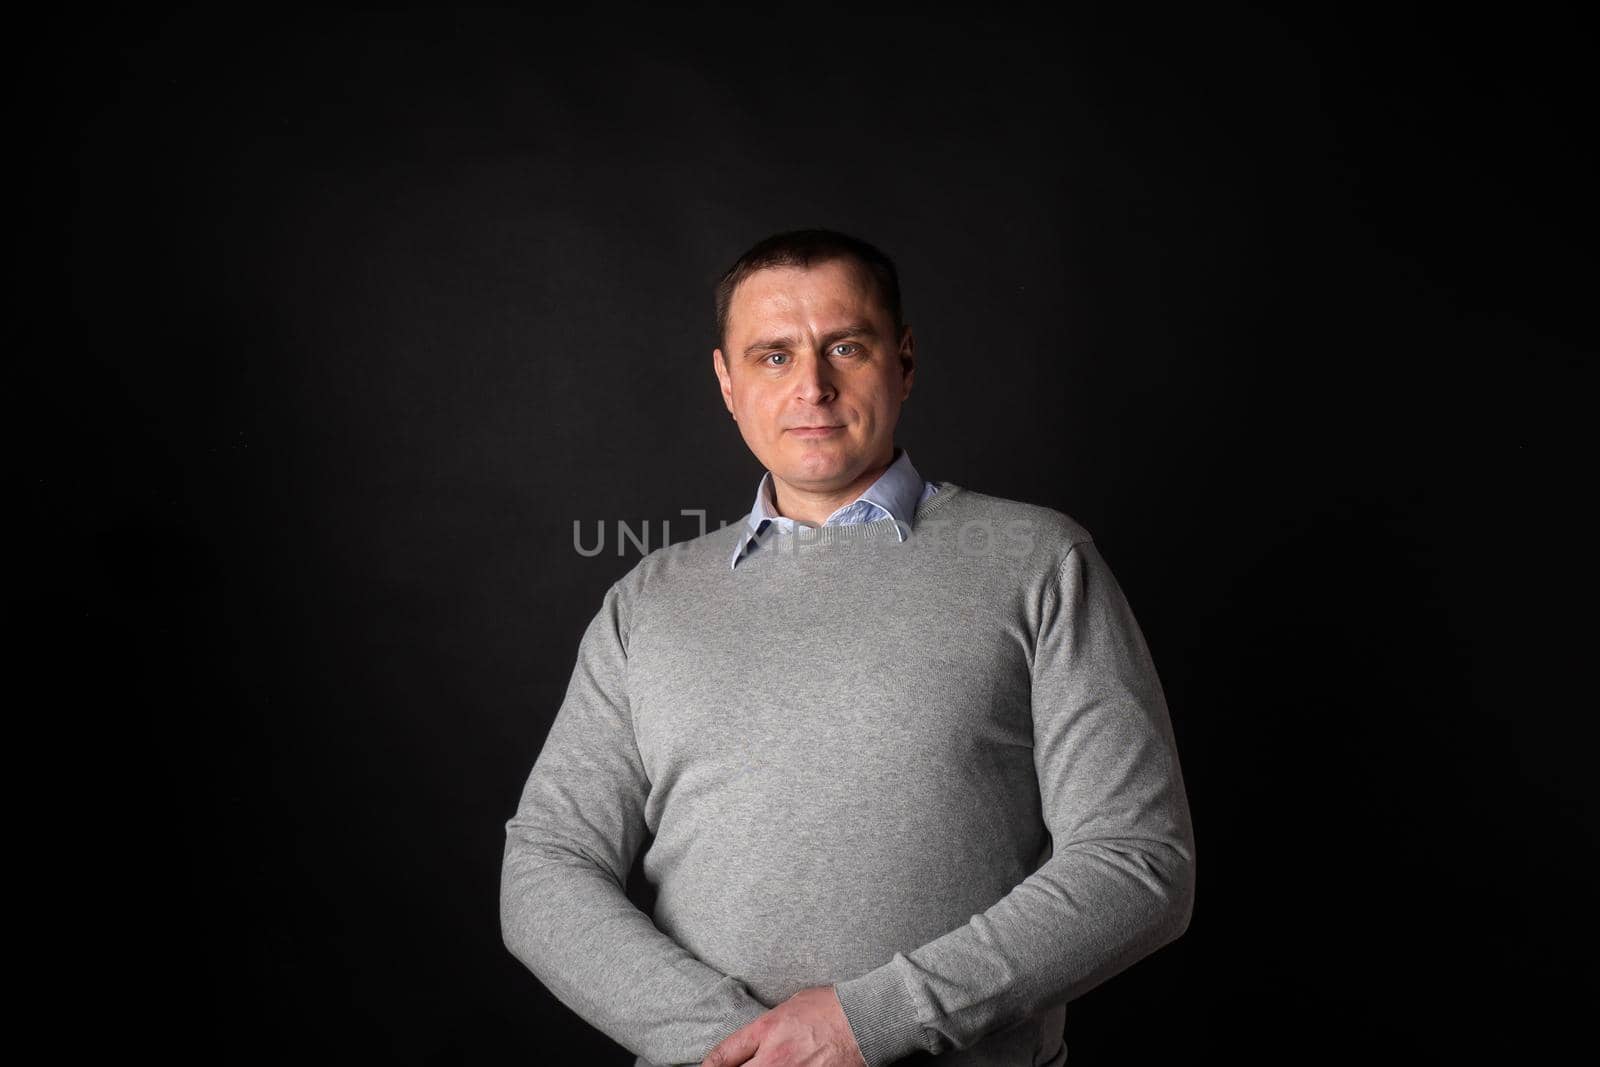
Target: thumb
(738,1047)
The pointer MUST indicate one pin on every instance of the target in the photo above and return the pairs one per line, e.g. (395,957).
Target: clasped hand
(807,1030)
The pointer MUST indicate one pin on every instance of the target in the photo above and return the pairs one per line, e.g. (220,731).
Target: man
(908,766)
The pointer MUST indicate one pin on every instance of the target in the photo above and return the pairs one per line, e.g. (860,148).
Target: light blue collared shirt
(897,494)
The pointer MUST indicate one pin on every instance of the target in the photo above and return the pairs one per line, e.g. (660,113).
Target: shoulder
(1050,522)
(1042,533)
(683,564)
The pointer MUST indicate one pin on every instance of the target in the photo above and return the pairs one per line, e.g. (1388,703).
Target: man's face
(814,374)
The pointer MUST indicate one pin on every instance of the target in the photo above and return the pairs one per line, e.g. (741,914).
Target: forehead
(833,289)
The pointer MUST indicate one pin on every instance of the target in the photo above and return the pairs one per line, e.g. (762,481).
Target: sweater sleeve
(564,911)
(1120,879)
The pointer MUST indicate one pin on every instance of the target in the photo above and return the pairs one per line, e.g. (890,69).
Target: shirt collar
(894,495)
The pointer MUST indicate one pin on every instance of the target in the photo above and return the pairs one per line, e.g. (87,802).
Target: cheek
(886,398)
(764,409)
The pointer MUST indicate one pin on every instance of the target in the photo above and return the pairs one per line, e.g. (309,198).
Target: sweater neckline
(877,529)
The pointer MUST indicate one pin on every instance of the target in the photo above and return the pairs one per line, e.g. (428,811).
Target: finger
(738,1047)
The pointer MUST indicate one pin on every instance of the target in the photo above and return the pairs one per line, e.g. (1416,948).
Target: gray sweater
(937,774)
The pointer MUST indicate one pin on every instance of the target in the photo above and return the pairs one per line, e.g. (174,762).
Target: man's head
(815,360)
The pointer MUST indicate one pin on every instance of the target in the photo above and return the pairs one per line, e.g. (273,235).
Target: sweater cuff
(881,1014)
(743,1010)
(735,1020)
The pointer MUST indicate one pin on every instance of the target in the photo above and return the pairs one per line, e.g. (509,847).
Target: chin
(815,465)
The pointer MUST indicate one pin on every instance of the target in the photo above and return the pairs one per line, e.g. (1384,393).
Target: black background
(355,314)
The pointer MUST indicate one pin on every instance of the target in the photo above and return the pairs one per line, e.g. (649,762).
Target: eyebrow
(855,329)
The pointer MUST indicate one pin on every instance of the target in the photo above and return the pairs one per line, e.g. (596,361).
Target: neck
(815,505)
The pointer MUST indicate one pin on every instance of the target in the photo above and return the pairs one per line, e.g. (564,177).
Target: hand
(808,1029)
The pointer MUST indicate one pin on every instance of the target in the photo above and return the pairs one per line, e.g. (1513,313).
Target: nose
(814,380)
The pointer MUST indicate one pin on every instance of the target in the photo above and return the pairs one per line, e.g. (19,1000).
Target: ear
(908,360)
(719,364)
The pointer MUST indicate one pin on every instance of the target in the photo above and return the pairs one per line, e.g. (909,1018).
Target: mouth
(815,431)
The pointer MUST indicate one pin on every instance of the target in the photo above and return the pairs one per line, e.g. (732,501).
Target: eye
(768,357)
(847,344)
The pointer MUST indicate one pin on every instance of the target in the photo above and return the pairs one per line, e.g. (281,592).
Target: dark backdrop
(359,312)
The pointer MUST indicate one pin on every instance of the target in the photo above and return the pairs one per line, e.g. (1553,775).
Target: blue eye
(843,344)
(771,354)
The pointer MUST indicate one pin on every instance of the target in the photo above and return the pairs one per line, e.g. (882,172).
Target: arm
(1119,883)
(564,911)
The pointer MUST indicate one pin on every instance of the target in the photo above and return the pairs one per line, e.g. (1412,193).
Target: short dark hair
(803,248)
